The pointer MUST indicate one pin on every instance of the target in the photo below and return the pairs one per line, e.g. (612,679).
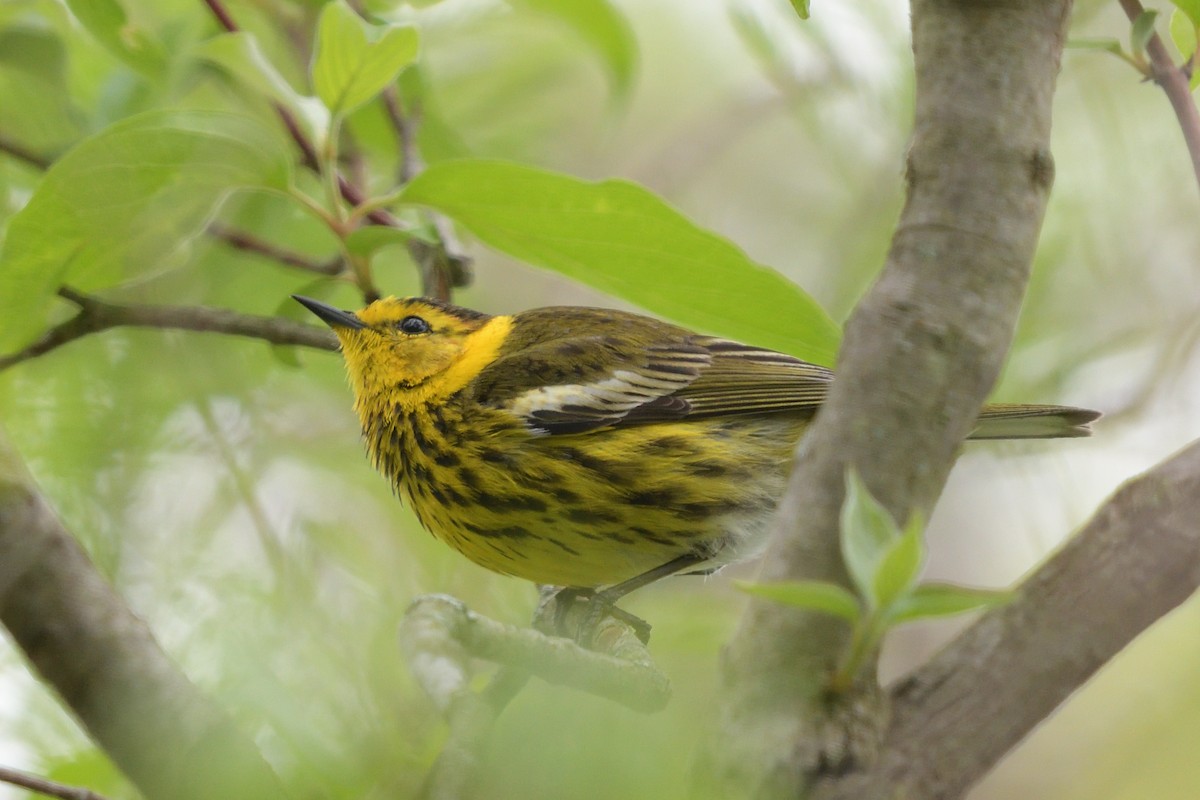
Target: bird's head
(410,350)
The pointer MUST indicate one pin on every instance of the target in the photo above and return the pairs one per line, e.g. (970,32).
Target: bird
(587,448)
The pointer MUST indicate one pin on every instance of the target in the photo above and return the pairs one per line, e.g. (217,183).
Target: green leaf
(602,27)
(900,565)
(1184,35)
(867,535)
(107,21)
(124,200)
(350,70)
(1141,31)
(930,600)
(1107,45)
(801,7)
(239,56)
(622,239)
(366,240)
(34,51)
(814,595)
(33,78)
(1191,8)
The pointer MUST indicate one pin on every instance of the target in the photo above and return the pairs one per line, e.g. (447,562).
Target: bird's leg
(604,600)
(564,601)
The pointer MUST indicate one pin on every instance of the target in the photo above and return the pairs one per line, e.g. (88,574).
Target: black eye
(413,325)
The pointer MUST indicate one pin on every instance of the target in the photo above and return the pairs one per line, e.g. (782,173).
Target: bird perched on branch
(590,448)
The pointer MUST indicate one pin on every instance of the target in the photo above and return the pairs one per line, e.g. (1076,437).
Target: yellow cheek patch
(478,350)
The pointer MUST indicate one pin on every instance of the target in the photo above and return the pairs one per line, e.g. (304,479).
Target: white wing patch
(703,377)
(582,406)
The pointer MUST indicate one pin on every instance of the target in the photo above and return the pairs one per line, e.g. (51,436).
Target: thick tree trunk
(921,353)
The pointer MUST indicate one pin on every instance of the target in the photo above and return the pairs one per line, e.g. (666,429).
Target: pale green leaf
(623,239)
(1107,45)
(239,56)
(349,69)
(107,21)
(868,532)
(366,240)
(123,200)
(930,600)
(901,564)
(34,51)
(801,8)
(603,28)
(33,79)
(1184,35)
(1141,31)
(815,595)
(1191,8)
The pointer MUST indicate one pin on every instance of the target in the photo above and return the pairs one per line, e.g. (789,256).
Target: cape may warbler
(586,447)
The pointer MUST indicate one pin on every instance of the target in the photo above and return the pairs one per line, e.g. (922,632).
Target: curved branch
(1136,560)
(169,738)
(441,636)
(97,315)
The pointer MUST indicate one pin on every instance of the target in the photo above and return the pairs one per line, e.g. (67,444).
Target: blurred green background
(222,488)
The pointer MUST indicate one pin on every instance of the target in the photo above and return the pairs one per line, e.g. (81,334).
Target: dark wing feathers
(625,369)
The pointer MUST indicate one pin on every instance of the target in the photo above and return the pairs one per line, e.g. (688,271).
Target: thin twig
(23,153)
(97,315)
(405,126)
(222,14)
(49,788)
(244,241)
(446,266)
(1174,82)
(442,267)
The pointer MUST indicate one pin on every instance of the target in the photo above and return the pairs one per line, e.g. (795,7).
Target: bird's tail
(1022,421)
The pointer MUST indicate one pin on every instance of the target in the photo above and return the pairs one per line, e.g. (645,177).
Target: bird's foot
(599,604)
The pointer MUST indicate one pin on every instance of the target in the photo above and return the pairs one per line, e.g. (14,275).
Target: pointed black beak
(333,317)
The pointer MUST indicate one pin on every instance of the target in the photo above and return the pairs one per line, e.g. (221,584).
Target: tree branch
(1136,560)
(22,153)
(159,729)
(441,636)
(96,315)
(1175,84)
(252,244)
(442,267)
(921,352)
(405,128)
(34,783)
